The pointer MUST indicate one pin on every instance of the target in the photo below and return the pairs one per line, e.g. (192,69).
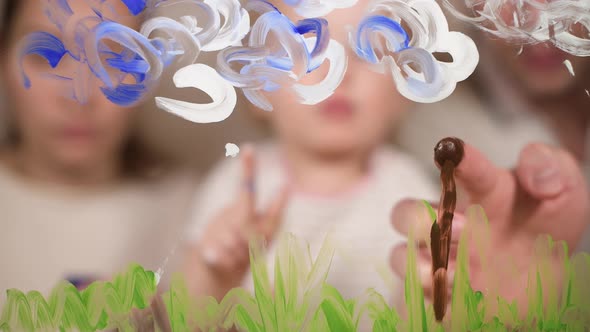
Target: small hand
(224,245)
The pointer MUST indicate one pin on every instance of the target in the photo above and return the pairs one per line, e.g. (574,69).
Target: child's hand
(224,244)
(546,194)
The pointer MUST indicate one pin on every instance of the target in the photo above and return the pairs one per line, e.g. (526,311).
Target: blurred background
(58,225)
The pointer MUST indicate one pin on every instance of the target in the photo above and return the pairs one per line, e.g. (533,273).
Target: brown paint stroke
(448,153)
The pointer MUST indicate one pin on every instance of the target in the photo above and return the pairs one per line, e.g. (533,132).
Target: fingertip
(401,213)
(210,256)
(247,148)
(412,214)
(247,154)
(540,171)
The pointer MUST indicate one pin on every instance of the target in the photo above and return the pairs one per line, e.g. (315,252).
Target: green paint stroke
(102,305)
(302,300)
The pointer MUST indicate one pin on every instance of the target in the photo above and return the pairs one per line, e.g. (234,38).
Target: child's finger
(412,213)
(274,214)
(546,172)
(248,190)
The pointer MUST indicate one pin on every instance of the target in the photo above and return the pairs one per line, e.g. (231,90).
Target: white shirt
(48,234)
(358,221)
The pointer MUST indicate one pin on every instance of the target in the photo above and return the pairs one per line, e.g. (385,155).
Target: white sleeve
(216,192)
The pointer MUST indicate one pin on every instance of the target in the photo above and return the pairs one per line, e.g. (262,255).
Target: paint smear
(205,78)
(231,150)
(559,22)
(381,39)
(259,68)
(569,67)
(142,56)
(587,92)
(127,73)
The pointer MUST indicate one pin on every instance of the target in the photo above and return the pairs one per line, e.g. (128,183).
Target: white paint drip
(231,150)
(158,276)
(161,270)
(569,67)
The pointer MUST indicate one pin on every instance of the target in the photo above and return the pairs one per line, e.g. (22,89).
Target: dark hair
(137,159)
(8,14)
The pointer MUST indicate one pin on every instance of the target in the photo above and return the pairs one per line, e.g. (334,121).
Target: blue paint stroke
(319,27)
(45,45)
(125,36)
(390,29)
(135,65)
(128,61)
(139,58)
(266,68)
(135,6)
(124,94)
(263,68)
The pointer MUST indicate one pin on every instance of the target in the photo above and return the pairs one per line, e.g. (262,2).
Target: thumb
(554,178)
(273,216)
(544,171)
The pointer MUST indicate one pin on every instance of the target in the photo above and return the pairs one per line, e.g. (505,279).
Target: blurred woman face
(538,69)
(55,128)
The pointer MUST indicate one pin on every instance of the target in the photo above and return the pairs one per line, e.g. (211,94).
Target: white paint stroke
(559,22)
(204,78)
(570,68)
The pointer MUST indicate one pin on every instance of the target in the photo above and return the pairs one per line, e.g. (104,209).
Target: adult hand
(545,194)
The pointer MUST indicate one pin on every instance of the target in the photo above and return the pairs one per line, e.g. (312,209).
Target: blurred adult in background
(80,196)
(518,95)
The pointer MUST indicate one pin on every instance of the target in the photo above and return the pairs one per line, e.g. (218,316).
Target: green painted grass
(302,300)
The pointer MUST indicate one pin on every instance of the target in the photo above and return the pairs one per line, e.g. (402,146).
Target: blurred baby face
(539,70)
(64,131)
(359,114)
